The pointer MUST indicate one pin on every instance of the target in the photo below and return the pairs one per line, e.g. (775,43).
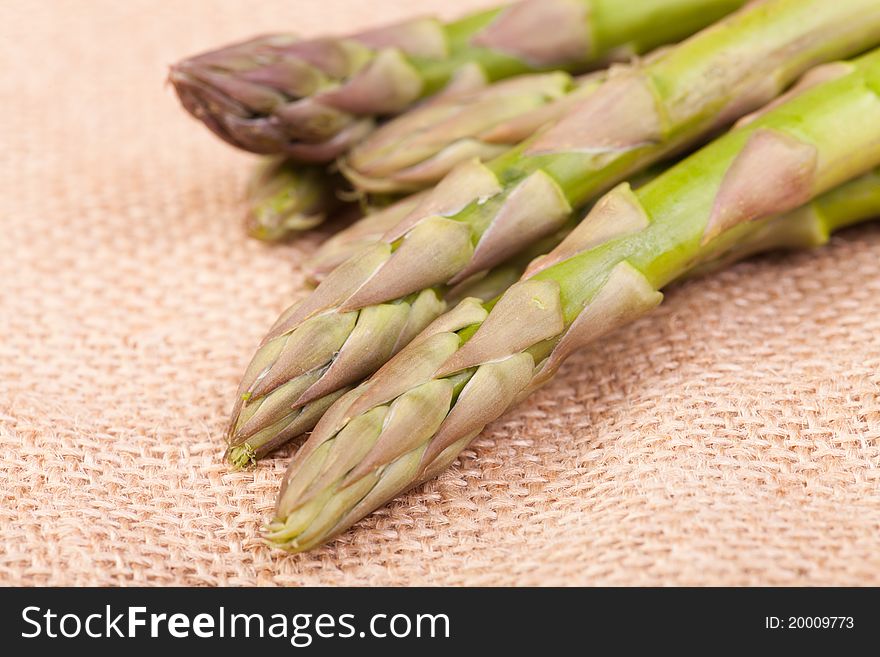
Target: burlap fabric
(731,438)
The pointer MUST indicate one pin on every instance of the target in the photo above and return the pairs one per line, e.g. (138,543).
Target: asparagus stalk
(286,198)
(481,215)
(313,99)
(418,148)
(411,420)
(363,234)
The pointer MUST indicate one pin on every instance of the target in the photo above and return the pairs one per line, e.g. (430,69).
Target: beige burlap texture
(733,437)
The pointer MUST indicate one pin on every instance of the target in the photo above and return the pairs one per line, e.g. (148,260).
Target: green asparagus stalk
(287,198)
(809,226)
(363,234)
(481,215)
(411,420)
(417,149)
(311,100)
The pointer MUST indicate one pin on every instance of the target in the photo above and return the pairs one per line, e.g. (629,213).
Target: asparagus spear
(481,215)
(363,233)
(411,420)
(417,149)
(286,198)
(313,99)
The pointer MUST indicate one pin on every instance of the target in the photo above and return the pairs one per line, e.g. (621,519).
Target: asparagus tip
(241,456)
(278,535)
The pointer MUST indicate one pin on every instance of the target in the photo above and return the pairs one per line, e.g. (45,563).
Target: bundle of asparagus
(410,421)
(500,228)
(469,118)
(481,215)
